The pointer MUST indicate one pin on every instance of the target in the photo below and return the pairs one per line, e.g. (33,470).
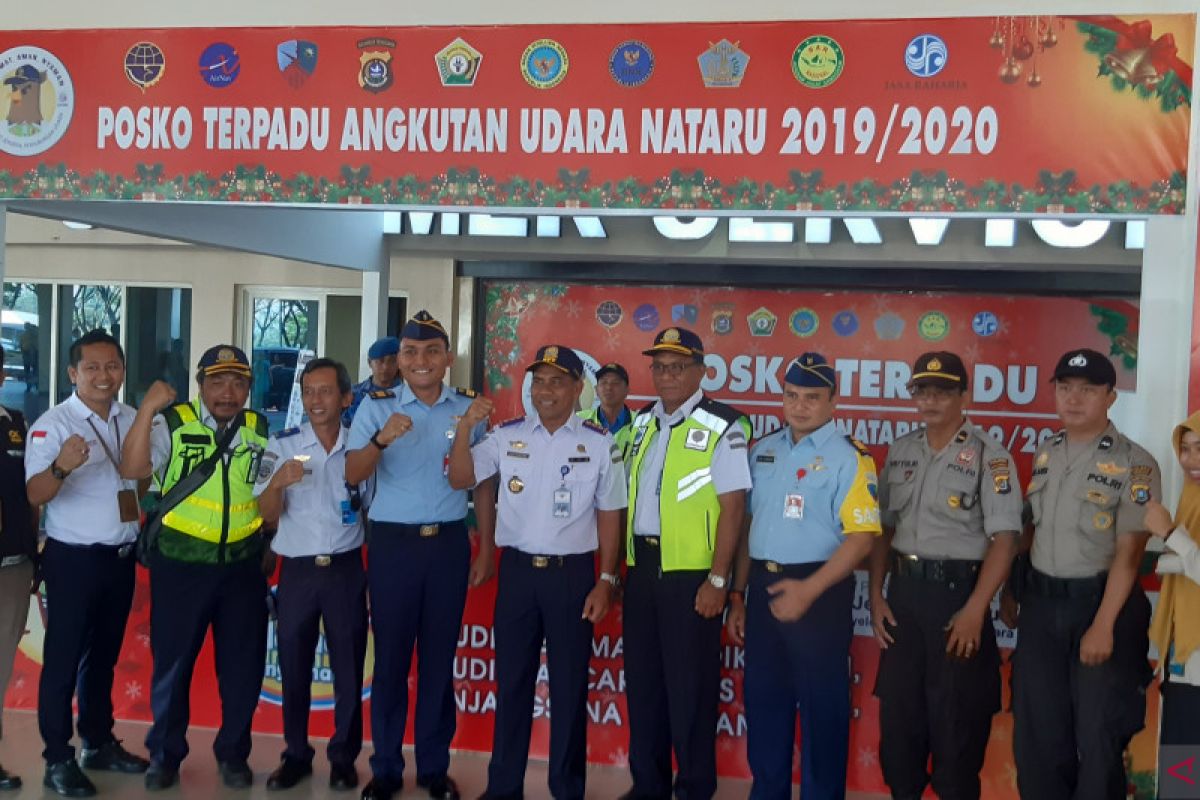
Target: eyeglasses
(673,369)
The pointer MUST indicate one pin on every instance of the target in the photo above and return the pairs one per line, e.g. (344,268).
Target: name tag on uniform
(562,503)
(579,460)
(127,504)
(793,506)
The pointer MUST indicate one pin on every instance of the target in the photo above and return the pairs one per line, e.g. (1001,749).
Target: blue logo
(631,63)
(145,64)
(297,60)
(845,323)
(985,323)
(645,317)
(684,313)
(926,55)
(804,322)
(220,65)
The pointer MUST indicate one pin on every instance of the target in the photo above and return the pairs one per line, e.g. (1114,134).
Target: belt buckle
(652,541)
(541,562)
(323,561)
(124,550)
(774,566)
(429,530)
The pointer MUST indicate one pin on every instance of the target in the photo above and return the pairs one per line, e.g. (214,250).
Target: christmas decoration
(1134,60)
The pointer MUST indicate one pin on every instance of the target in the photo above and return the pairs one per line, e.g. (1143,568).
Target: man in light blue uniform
(419,555)
(812,518)
(385,374)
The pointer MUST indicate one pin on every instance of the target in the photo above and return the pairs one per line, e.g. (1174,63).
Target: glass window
(158,340)
(83,308)
(25,328)
(281,329)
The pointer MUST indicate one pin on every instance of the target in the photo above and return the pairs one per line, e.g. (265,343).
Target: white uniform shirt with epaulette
(949,504)
(551,484)
(318,516)
(1083,496)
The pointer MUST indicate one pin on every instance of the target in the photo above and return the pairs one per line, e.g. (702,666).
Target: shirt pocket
(1098,511)
(958,497)
(900,491)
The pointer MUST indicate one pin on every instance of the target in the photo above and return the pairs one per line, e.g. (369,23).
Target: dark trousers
(930,703)
(185,600)
(418,588)
(804,667)
(309,595)
(672,679)
(89,591)
(1072,722)
(1180,713)
(535,602)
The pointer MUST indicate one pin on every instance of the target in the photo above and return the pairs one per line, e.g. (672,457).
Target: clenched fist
(160,395)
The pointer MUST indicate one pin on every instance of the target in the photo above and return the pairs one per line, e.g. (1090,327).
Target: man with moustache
(206,566)
(562,491)
(88,563)
(302,486)
(419,555)
(951,511)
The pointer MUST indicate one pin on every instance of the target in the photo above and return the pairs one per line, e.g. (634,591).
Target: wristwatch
(718,581)
(610,578)
(375,441)
(58,472)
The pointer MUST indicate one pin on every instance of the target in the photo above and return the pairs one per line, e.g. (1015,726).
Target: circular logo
(933,326)
(631,63)
(645,317)
(804,322)
(145,64)
(818,61)
(37,101)
(609,313)
(220,65)
(925,55)
(889,326)
(544,64)
(845,323)
(985,323)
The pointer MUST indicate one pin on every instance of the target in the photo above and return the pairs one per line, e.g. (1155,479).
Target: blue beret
(812,370)
(387,346)
(423,326)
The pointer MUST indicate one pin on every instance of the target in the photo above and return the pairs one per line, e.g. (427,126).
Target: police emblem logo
(375,65)
(723,65)
(761,322)
(458,63)
(516,485)
(933,326)
(37,101)
(818,61)
(631,63)
(934,365)
(220,65)
(804,322)
(1140,493)
(722,319)
(670,336)
(926,55)
(1079,360)
(544,64)
(1001,483)
(297,61)
(145,63)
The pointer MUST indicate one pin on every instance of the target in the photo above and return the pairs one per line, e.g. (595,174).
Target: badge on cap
(516,485)
(551,354)
(934,365)
(670,336)
(1078,361)
(225,355)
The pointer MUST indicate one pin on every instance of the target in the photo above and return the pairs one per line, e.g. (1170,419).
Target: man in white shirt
(71,464)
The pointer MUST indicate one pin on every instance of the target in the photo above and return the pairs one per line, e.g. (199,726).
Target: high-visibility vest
(621,437)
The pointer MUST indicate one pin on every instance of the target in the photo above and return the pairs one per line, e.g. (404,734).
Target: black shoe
(8,781)
(66,778)
(441,787)
(289,772)
(159,777)
(236,774)
(343,777)
(381,789)
(112,757)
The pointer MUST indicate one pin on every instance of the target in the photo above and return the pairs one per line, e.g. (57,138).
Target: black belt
(327,559)
(425,530)
(802,570)
(118,550)
(1048,586)
(547,561)
(950,571)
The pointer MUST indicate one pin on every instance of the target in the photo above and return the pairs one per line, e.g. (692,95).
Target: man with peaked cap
(206,565)
(561,496)
(612,388)
(1080,669)
(385,373)
(811,518)
(688,477)
(419,556)
(951,509)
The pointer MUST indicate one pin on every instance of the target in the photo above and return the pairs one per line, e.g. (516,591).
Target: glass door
(285,330)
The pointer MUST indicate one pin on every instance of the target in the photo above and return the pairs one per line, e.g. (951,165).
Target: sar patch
(1140,493)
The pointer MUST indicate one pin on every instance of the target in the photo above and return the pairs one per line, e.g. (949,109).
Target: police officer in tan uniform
(1080,668)
(951,510)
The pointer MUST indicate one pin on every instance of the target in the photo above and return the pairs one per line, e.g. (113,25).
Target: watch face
(717,581)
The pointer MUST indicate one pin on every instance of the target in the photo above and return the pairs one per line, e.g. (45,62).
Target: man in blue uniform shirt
(301,486)
(812,518)
(419,555)
(562,491)
(385,374)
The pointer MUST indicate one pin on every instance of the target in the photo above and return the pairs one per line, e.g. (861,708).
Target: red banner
(1012,114)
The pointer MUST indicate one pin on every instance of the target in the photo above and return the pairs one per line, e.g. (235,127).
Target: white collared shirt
(85,510)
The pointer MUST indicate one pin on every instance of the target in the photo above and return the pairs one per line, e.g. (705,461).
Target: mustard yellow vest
(688,505)
(217,523)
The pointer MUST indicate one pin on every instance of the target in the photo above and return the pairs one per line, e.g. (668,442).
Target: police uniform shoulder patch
(859,446)
(381,394)
(592,425)
(513,421)
(465,392)
(283,434)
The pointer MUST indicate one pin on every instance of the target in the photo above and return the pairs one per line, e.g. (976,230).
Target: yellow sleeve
(859,511)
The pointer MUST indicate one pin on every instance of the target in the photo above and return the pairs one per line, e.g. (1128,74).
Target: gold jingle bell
(1023,49)
(997,41)
(1010,70)
(1034,80)
(1048,39)
(1134,67)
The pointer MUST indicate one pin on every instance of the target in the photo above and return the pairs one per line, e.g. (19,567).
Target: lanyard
(117,427)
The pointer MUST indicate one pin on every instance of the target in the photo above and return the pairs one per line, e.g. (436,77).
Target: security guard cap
(387,346)
(677,340)
(559,357)
(422,326)
(613,369)
(224,358)
(811,370)
(940,368)
(1090,365)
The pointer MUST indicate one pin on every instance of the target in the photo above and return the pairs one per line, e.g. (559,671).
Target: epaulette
(513,421)
(725,412)
(287,432)
(381,394)
(594,426)
(466,392)
(859,446)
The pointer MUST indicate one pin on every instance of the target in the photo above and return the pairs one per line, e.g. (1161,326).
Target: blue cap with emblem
(613,369)
(423,326)
(387,346)
(559,357)
(224,358)
(811,370)
(677,340)
(24,74)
